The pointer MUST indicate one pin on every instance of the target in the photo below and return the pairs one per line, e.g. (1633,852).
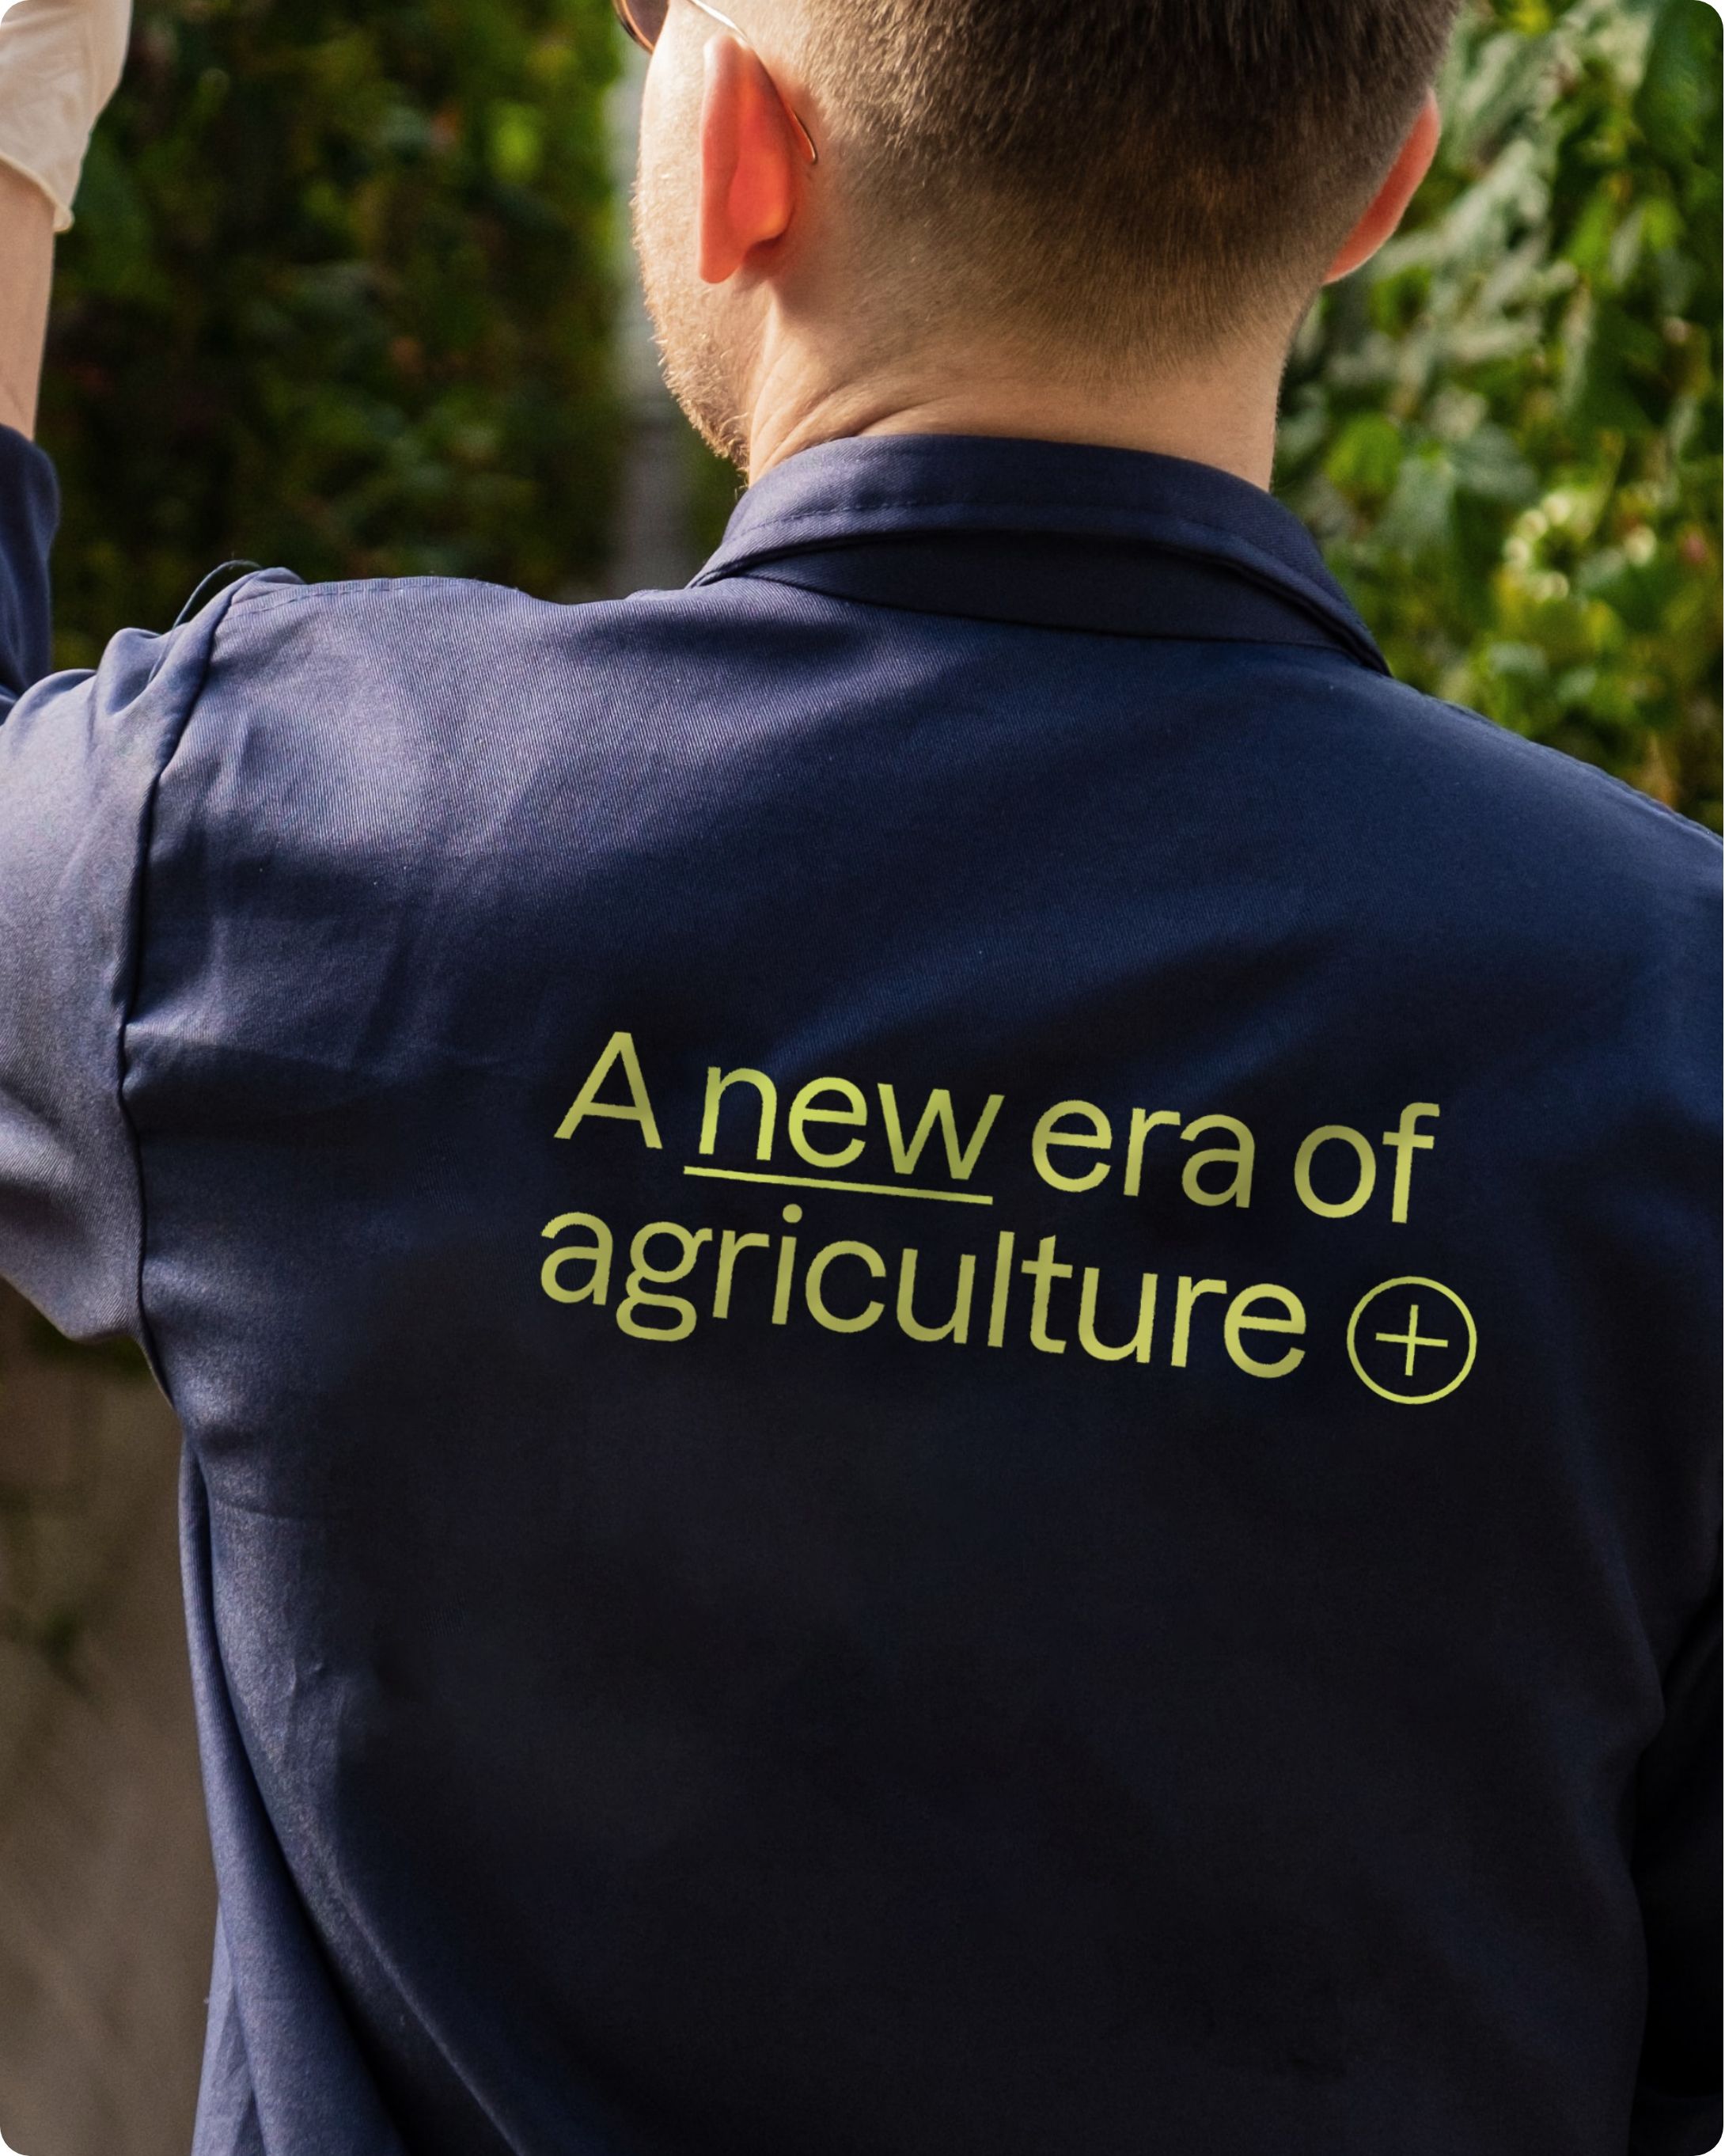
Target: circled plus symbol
(1431,1365)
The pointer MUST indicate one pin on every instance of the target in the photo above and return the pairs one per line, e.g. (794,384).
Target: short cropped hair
(1117,173)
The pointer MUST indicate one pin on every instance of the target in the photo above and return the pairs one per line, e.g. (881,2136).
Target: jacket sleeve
(29,511)
(80,754)
(1677,1874)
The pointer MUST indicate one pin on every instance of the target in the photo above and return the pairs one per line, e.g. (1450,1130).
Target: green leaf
(1679,96)
(1366,455)
(1542,341)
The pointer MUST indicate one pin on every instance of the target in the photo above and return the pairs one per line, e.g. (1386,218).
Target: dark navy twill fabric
(945,1318)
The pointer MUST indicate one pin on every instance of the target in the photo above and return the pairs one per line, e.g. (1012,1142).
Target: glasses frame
(632,29)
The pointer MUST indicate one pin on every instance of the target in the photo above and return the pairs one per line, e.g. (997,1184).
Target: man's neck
(1223,416)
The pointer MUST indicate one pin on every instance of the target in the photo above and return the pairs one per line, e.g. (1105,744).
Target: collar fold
(1053,534)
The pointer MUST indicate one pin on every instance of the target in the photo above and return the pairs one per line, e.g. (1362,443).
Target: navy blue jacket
(946,1322)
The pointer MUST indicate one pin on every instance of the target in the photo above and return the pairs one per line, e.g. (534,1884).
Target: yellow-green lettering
(1240,1156)
(1405,1144)
(596,1254)
(1097,1135)
(1338,1134)
(639,1296)
(1002,1289)
(871,1259)
(957,1328)
(787,1266)
(620,1049)
(937,1111)
(1239,1319)
(1043,1270)
(718,1086)
(1142,1126)
(1188,1293)
(803,1113)
(731,1245)
(1140,1344)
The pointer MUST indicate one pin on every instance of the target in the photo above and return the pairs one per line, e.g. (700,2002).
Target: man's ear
(1389,204)
(749,161)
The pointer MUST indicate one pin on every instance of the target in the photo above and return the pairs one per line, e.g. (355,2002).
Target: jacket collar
(1132,514)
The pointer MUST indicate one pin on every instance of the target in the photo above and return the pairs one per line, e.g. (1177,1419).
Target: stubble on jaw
(699,371)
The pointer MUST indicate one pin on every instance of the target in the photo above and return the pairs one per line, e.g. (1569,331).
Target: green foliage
(1506,431)
(339,296)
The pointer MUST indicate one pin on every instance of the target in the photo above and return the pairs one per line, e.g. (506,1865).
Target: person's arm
(26,271)
(59,63)
(29,500)
(81,751)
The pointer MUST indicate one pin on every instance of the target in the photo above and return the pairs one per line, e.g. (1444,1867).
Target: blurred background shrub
(339,294)
(1507,430)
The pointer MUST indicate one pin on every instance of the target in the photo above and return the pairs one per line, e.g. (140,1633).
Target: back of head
(1105,176)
